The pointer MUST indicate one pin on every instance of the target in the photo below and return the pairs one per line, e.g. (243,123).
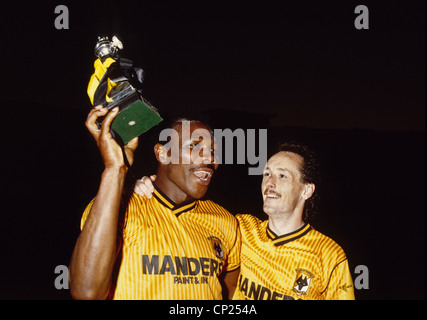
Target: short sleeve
(233,259)
(87,210)
(340,285)
(86,213)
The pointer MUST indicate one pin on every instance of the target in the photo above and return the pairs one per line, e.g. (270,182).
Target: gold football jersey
(173,252)
(304,264)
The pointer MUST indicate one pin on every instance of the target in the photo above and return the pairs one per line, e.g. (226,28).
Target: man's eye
(266,174)
(282,176)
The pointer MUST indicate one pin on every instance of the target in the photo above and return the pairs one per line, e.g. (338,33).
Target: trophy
(116,82)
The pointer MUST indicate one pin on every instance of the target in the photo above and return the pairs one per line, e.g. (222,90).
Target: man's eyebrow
(190,140)
(280,169)
(197,141)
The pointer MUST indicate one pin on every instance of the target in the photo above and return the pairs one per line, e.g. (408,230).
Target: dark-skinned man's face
(191,171)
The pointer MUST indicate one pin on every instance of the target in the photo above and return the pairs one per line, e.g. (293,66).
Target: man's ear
(160,153)
(308,190)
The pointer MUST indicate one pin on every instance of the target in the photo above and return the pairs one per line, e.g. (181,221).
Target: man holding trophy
(171,246)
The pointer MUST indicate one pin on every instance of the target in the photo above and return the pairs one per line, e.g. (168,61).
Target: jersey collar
(177,209)
(280,240)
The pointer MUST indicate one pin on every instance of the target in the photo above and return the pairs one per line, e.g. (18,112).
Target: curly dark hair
(310,173)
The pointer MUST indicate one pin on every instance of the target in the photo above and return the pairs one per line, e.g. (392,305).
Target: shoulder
(247,219)
(130,205)
(249,224)
(216,214)
(134,204)
(326,246)
(218,218)
(136,200)
(208,206)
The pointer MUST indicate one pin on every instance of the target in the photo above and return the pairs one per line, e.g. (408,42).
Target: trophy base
(134,120)
(135,117)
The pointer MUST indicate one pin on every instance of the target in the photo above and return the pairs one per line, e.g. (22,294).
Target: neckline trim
(176,209)
(283,239)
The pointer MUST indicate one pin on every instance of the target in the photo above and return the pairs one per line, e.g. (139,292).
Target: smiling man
(284,258)
(169,246)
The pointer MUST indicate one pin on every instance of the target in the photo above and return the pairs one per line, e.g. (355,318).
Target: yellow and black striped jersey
(304,264)
(173,252)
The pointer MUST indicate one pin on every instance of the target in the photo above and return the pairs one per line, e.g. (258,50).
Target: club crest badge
(217,247)
(302,281)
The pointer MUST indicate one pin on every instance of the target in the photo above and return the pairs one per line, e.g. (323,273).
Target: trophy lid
(105,48)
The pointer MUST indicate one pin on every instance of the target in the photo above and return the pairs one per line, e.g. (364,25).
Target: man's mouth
(271,194)
(204,173)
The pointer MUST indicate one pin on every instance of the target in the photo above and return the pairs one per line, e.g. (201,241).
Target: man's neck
(171,190)
(284,224)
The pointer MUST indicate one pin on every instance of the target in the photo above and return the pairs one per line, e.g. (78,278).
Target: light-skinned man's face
(282,188)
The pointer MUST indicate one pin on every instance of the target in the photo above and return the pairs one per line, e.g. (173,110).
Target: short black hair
(168,123)
(310,173)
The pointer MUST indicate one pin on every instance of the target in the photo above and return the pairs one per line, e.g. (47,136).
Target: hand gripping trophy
(117,82)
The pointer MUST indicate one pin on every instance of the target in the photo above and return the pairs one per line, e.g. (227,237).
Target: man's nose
(271,183)
(209,158)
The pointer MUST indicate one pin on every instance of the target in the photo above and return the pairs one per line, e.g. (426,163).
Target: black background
(301,70)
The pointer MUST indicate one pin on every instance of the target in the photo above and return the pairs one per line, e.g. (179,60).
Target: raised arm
(97,246)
